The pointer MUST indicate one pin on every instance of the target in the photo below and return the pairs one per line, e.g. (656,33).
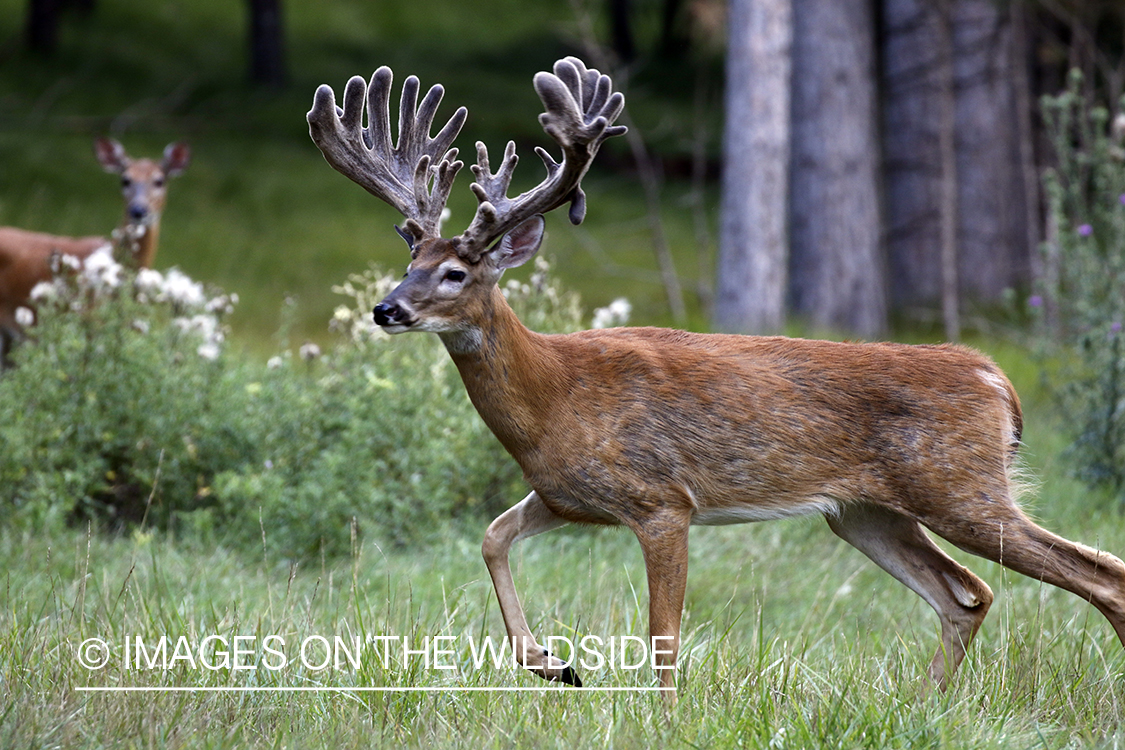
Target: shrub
(132,409)
(1082,305)
(121,389)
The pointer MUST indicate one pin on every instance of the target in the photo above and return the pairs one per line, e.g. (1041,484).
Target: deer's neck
(137,244)
(513,376)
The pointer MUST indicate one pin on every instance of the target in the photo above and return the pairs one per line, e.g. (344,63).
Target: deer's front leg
(527,518)
(664,541)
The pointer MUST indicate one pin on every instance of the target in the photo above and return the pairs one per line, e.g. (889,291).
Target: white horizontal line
(431,689)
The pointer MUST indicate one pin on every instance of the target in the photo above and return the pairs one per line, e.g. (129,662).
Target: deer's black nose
(388,313)
(137,211)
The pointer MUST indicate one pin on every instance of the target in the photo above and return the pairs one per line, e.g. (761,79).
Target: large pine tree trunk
(836,264)
(992,242)
(752,263)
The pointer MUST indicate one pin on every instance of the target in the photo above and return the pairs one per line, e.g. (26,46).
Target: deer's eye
(158,182)
(455,275)
(126,182)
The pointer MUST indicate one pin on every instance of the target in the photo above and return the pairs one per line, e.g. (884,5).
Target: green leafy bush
(1082,307)
(127,406)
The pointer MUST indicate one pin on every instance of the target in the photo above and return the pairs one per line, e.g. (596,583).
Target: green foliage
(1083,302)
(130,410)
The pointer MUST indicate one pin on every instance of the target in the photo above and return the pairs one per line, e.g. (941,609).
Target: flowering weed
(127,406)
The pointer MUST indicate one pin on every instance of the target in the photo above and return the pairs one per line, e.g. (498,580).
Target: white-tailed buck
(660,429)
(26,257)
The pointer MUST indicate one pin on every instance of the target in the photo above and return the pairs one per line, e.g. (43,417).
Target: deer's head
(449,284)
(143,181)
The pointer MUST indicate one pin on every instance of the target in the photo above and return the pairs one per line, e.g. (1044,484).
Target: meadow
(792,638)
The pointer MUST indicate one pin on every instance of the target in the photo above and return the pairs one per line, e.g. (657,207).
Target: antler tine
(579,112)
(399,175)
(491,189)
(378,131)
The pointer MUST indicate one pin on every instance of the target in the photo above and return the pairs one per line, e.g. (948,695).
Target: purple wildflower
(1085,230)
(1035,301)
(1121,198)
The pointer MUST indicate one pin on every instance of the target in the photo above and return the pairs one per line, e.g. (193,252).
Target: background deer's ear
(111,155)
(176,158)
(519,244)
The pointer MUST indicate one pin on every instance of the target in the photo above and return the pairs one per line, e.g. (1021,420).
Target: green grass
(792,639)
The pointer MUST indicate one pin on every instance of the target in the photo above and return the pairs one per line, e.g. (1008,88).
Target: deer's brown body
(658,430)
(25,260)
(26,257)
(611,424)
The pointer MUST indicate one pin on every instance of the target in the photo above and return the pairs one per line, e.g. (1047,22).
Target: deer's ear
(111,155)
(176,158)
(407,237)
(519,244)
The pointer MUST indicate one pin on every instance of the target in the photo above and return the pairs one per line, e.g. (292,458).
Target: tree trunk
(674,39)
(751,284)
(836,267)
(912,157)
(621,30)
(1025,110)
(993,252)
(989,234)
(948,204)
(267,43)
(42,27)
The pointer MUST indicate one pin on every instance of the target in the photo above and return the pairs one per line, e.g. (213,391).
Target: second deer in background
(659,430)
(26,256)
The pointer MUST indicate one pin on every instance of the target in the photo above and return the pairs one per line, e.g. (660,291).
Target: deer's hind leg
(998,530)
(898,545)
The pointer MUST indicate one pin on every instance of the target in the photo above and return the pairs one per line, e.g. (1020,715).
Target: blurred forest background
(880,162)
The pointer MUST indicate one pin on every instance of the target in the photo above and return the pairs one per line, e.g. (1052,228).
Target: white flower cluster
(207,328)
(366,289)
(100,271)
(309,351)
(181,292)
(615,314)
(538,284)
(79,283)
(197,314)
